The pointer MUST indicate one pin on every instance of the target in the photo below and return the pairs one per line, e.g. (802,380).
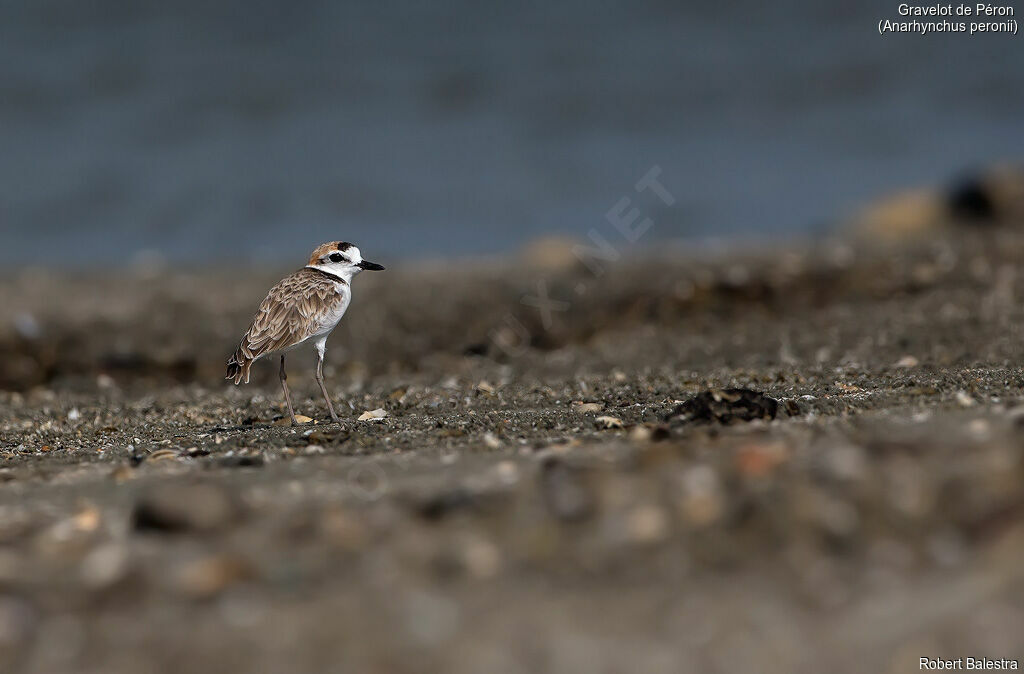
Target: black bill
(370,266)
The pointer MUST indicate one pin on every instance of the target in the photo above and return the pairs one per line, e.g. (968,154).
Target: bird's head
(340,258)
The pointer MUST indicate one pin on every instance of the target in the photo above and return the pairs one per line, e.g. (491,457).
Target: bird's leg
(320,380)
(287,395)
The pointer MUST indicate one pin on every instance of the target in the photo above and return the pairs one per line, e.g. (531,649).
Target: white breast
(329,319)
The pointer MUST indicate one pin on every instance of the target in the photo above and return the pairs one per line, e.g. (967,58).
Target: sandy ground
(530,502)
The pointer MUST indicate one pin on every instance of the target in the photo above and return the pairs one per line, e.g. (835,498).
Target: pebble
(299,419)
(702,501)
(373,415)
(441,504)
(963,399)
(846,462)
(87,519)
(980,428)
(481,557)
(172,508)
(759,459)
(343,529)
(105,565)
(321,437)
(241,461)
(507,472)
(207,577)
(565,490)
(640,435)
(907,361)
(648,524)
(607,422)
(587,408)
(122,474)
(72,533)
(163,455)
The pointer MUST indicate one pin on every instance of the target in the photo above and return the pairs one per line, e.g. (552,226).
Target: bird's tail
(238,367)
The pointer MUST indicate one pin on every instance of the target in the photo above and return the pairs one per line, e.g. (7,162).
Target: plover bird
(302,308)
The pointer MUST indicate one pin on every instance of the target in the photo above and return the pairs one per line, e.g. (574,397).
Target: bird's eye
(336,257)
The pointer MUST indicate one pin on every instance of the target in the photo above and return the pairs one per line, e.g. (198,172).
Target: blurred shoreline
(250,129)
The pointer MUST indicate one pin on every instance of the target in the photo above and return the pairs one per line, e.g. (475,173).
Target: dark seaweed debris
(725,406)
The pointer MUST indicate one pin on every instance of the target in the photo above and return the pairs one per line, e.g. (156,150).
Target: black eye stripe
(338,257)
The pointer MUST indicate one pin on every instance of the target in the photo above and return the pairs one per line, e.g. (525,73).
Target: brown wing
(291,312)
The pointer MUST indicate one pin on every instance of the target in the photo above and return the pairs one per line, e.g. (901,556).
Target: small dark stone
(725,407)
(326,438)
(659,433)
(478,349)
(175,508)
(970,200)
(246,461)
(437,506)
(136,458)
